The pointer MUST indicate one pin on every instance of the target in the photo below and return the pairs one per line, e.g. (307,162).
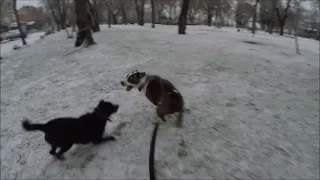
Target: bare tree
(153,14)
(209,7)
(272,21)
(282,19)
(182,25)
(139,5)
(62,12)
(296,24)
(94,11)
(84,23)
(72,16)
(24,42)
(254,18)
(218,13)
(113,8)
(54,15)
(160,4)
(5,6)
(123,12)
(244,11)
(109,16)
(194,8)
(172,8)
(226,10)
(268,14)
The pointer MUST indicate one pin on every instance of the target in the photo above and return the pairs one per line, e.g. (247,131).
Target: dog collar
(104,116)
(143,84)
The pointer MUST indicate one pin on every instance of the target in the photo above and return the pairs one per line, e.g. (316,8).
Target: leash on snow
(76,50)
(152,152)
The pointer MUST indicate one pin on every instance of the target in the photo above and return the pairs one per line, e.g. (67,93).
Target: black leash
(152,152)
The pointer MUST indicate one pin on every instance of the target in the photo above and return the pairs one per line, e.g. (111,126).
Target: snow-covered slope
(254,107)
(7,48)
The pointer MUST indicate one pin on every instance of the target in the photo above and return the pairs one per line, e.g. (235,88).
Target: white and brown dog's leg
(161,113)
(159,116)
(155,118)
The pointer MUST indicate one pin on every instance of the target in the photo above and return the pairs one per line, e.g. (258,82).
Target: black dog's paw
(111,138)
(105,139)
(52,153)
(60,157)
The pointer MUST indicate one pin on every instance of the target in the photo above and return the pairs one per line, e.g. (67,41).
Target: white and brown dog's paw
(157,121)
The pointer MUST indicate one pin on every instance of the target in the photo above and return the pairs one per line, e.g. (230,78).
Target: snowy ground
(6,48)
(254,107)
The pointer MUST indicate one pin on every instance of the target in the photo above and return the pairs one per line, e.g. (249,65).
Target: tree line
(87,15)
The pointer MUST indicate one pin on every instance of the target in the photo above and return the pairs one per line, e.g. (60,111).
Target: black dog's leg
(104,139)
(63,149)
(53,149)
(179,119)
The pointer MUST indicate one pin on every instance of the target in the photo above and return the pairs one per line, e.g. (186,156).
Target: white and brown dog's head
(135,79)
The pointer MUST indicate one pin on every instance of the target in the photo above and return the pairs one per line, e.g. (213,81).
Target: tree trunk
(218,14)
(109,17)
(84,23)
(182,25)
(137,10)
(209,17)
(61,18)
(68,35)
(270,26)
(281,28)
(55,18)
(170,13)
(254,18)
(140,11)
(73,19)
(296,42)
(296,25)
(93,15)
(153,14)
(174,12)
(22,36)
(272,19)
(114,18)
(124,15)
(73,27)
(63,14)
(96,17)
(282,20)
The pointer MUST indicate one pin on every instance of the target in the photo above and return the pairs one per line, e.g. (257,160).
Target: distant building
(34,16)
(309,29)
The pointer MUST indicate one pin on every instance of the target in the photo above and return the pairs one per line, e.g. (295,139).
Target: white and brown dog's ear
(142,74)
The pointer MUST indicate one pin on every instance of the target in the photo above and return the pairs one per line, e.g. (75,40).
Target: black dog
(64,132)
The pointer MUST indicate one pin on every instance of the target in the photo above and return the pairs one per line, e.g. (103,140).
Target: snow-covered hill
(254,105)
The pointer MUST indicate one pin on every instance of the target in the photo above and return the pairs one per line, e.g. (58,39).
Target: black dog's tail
(152,152)
(28,126)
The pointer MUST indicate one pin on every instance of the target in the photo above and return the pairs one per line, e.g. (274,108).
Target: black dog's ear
(101,101)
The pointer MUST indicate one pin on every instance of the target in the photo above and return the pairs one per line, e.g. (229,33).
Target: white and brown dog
(161,92)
